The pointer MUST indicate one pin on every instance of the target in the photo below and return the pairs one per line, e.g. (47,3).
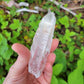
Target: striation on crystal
(42,44)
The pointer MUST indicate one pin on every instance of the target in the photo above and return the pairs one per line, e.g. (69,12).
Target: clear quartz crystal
(42,44)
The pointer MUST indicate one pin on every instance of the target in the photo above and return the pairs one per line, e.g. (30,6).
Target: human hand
(18,73)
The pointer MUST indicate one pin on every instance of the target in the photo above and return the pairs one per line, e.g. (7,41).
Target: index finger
(54,45)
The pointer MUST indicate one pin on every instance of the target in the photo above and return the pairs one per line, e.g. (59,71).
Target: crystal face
(42,44)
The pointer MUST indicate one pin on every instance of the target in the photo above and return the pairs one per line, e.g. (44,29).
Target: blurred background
(21,27)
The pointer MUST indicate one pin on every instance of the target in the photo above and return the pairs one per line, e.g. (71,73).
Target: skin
(18,73)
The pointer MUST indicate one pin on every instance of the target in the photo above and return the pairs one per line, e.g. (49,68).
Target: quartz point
(42,44)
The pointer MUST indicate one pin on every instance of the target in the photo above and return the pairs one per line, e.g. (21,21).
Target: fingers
(55,43)
(22,60)
(51,58)
(48,67)
(48,72)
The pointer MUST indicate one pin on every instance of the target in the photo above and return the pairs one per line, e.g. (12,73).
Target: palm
(27,78)
(18,73)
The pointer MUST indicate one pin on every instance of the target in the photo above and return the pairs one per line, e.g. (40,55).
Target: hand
(18,73)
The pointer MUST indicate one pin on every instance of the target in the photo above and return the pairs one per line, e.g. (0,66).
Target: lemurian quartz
(42,44)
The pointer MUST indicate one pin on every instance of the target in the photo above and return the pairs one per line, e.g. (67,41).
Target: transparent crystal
(42,44)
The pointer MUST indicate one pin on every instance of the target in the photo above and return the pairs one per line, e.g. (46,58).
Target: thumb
(23,58)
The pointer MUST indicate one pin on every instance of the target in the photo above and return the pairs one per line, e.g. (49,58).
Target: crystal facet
(42,44)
